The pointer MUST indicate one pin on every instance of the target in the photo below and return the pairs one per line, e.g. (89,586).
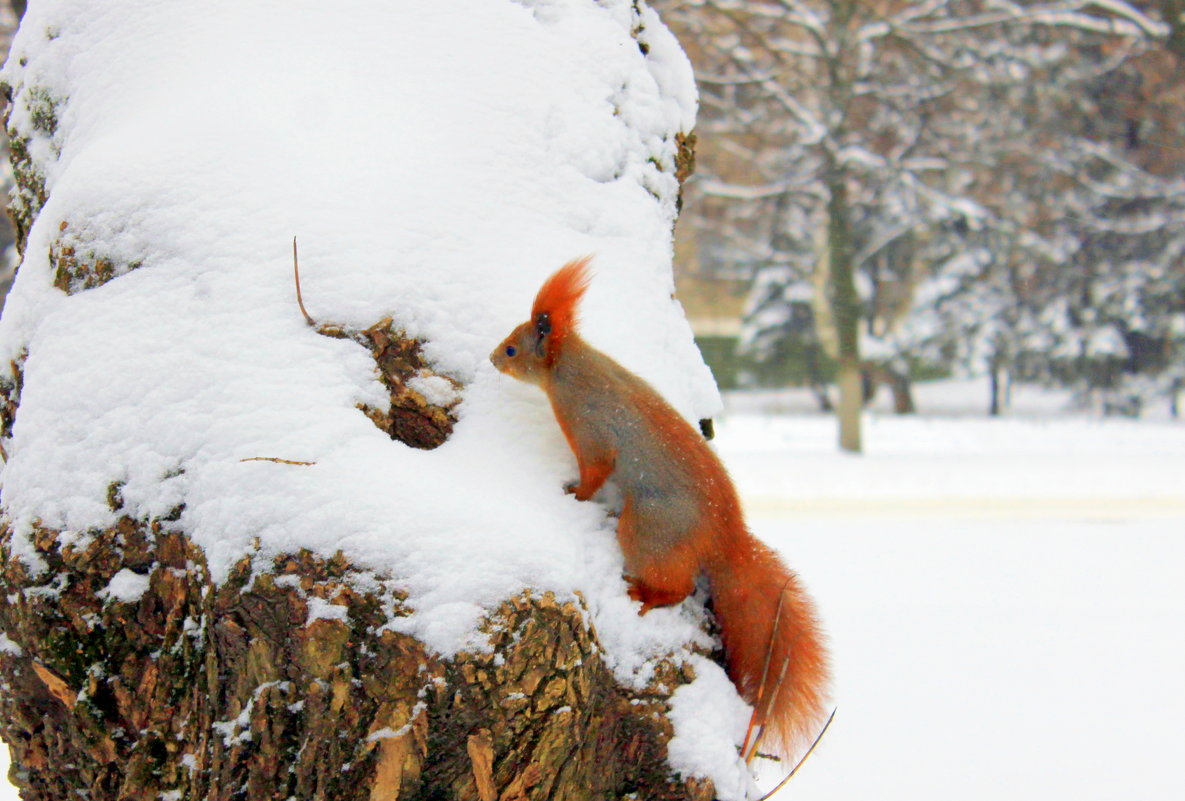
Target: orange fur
(558,298)
(682,516)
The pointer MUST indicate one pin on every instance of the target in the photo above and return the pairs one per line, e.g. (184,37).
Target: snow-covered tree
(1084,238)
(849,148)
(1122,219)
(243,557)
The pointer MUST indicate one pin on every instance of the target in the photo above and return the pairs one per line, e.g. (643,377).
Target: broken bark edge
(250,689)
(412,418)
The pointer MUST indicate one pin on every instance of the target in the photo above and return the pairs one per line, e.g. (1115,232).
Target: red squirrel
(681,515)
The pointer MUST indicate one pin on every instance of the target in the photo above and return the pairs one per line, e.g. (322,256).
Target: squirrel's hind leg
(653,597)
(656,576)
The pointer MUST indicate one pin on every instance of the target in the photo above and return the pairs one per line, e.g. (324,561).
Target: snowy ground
(1004,598)
(998,658)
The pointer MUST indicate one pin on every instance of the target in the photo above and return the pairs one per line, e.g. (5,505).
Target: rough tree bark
(208,691)
(232,690)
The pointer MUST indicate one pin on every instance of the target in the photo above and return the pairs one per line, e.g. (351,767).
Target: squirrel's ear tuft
(554,312)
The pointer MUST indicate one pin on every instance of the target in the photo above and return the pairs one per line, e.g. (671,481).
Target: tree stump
(129,670)
(128,674)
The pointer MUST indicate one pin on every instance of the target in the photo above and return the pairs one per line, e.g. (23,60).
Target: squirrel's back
(661,460)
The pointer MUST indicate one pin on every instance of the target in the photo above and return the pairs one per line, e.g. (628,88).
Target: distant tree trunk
(822,397)
(845,309)
(999,377)
(902,395)
(995,373)
(816,380)
(898,383)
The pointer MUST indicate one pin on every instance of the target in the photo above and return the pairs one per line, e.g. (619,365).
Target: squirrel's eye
(511,350)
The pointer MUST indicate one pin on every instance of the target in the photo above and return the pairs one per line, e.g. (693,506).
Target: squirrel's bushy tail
(751,588)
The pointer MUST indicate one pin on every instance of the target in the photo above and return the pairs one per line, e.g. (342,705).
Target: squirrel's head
(523,354)
(532,348)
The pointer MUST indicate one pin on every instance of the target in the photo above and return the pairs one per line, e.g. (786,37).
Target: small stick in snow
(296,275)
(810,750)
(273,459)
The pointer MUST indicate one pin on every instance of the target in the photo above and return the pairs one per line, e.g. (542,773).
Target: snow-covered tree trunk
(246,558)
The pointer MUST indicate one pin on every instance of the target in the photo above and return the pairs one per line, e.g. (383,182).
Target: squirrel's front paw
(570,487)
